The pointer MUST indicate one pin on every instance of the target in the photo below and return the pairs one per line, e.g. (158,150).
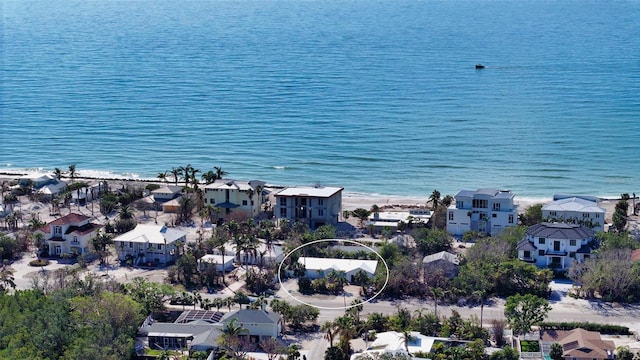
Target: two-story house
(150,244)
(233,195)
(556,245)
(312,205)
(70,235)
(484,210)
(575,209)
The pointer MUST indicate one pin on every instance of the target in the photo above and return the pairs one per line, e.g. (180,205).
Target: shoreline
(350,200)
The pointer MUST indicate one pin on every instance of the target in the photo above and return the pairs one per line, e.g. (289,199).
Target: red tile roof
(67,219)
(635,255)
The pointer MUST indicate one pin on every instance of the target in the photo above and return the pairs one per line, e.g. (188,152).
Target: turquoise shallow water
(376,96)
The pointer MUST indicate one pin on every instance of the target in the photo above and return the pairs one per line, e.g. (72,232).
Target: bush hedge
(41,262)
(606,329)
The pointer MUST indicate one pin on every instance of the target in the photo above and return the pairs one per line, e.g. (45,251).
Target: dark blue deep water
(376,96)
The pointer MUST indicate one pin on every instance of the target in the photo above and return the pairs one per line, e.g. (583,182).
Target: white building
(391,219)
(220,262)
(150,244)
(312,205)
(556,245)
(484,210)
(70,234)
(394,342)
(319,267)
(233,195)
(575,209)
(263,254)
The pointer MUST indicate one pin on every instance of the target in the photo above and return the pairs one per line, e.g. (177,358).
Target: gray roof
(495,193)
(255,316)
(442,255)
(182,330)
(560,231)
(526,245)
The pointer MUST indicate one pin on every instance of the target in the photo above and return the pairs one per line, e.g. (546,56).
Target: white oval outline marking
(332,240)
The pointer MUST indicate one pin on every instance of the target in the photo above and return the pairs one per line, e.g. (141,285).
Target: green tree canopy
(524,311)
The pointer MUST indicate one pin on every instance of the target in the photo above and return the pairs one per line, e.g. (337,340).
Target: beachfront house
(390,220)
(583,210)
(166,193)
(487,211)
(578,344)
(556,245)
(232,195)
(70,235)
(150,245)
(312,205)
(317,268)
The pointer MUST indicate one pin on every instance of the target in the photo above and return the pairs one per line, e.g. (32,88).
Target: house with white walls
(150,244)
(487,211)
(312,205)
(70,235)
(556,245)
(229,195)
(581,210)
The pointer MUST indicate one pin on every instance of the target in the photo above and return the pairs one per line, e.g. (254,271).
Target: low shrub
(39,262)
(605,329)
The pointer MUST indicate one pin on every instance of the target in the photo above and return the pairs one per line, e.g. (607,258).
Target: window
(130,245)
(159,246)
(75,240)
(494,215)
(585,215)
(541,240)
(597,216)
(540,252)
(320,212)
(283,201)
(552,213)
(244,202)
(510,218)
(451,216)
(480,203)
(321,202)
(459,204)
(526,254)
(283,212)
(57,229)
(572,242)
(496,206)
(572,254)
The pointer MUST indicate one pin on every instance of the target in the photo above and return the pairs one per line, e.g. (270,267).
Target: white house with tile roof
(556,245)
(484,210)
(312,205)
(229,195)
(70,235)
(150,244)
(575,209)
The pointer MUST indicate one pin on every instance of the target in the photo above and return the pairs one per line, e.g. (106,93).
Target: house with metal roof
(198,335)
(319,267)
(487,211)
(229,195)
(577,210)
(260,324)
(150,244)
(556,245)
(441,264)
(312,205)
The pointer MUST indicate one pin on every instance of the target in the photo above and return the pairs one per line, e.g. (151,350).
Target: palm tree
(436,293)
(125,212)
(480,295)
(38,242)
(57,173)
(435,201)
(355,309)
(162,176)
(209,177)
(330,330)
(219,172)
(72,172)
(176,173)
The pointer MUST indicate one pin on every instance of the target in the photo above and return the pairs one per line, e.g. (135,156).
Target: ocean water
(375,96)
